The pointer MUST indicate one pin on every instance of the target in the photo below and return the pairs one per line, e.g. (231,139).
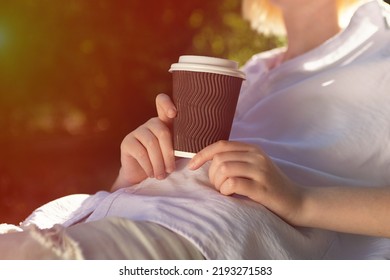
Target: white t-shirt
(323,117)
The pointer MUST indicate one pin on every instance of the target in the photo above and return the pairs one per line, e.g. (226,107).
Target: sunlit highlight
(328,83)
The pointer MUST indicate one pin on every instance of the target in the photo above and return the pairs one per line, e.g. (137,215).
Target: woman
(312,114)
(227,170)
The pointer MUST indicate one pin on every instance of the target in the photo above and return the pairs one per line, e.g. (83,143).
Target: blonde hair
(266,18)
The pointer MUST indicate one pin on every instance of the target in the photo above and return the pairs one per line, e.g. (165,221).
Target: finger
(151,143)
(222,161)
(241,186)
(210,151)
(133,149)
(166,110)
(164,137)
(232,169)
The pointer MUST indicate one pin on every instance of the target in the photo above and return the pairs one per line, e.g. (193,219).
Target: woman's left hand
(243,169)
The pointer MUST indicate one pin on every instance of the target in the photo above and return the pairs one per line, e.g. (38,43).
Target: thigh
(118,238)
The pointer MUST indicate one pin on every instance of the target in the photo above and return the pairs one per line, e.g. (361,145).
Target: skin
(240,168)
(308,23)
(148,150)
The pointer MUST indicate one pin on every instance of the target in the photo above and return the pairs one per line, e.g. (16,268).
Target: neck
(309,26)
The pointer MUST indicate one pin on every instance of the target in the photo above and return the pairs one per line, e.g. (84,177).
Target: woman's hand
(243,169)
(148,150)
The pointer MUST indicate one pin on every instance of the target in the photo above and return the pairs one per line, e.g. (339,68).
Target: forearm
(347,209)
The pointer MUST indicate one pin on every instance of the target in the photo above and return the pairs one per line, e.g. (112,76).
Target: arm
(361,210)
(245,170)
(148,150)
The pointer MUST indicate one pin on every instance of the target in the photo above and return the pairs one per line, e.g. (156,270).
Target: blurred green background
(76,76)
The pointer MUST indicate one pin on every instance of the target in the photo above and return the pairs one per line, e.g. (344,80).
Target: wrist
(307,207)
(301,214)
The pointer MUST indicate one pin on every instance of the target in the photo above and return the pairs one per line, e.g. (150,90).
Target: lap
(117,238)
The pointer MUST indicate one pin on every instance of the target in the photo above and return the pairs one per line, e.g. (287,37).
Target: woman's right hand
(148,150)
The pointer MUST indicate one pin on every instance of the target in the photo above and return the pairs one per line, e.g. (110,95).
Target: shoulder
(263,61)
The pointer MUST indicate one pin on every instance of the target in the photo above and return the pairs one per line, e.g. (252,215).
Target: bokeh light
(2,39)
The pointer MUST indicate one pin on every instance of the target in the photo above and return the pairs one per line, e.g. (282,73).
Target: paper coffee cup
(205,92)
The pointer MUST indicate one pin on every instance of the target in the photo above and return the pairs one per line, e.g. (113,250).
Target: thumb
(166,110)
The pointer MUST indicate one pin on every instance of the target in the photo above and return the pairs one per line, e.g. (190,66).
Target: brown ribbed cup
(206,104)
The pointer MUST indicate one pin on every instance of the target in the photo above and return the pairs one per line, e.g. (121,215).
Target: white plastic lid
(207,64)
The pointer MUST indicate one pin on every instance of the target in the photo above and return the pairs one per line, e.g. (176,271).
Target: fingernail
(171,113)
(160,177)
(192,164)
